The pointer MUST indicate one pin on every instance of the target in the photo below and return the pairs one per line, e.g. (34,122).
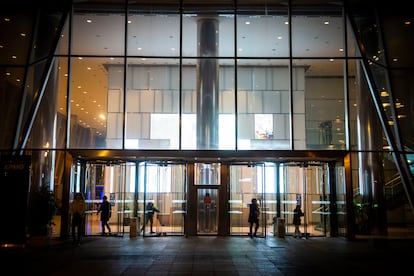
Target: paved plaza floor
(209,255)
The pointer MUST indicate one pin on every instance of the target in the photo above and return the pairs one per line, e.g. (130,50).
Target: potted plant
(43,208)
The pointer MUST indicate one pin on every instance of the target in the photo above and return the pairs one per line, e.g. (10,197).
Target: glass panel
(340,190)
(115,177)
(263,101)
(16,30)
(62,96)
(307,186)
(293,189)
(57,162)
(178,207)
(319,96)
(10,104)
(98,32)
(237,211)
(269,209)
(208,104)
(63,43)
(207,218)
(207,174)
(246,183)
(212,31)
(163,185)
(96,103)
(264,32)
(352,45)
(403,105)
(110,181)
(152,118)
(49,128)
(316,204)
(32,94)
(153,34)
(315,34)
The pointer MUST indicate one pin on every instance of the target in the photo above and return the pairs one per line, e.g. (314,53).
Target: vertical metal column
(207,84)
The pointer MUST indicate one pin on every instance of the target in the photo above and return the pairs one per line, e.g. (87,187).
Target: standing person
(254,213)
(297,214)
(106,210)
(77,210)
(149,215)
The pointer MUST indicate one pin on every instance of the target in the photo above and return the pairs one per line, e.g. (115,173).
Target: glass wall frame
(306,185)
(247,182)
(165,185)
(278,82)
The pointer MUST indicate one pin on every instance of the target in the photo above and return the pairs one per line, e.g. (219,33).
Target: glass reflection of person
(207,205)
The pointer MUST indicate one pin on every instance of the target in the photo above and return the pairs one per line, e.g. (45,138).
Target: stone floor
(209,255)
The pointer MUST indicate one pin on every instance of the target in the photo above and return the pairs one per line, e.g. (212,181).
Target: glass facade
(225,82)
(174,81)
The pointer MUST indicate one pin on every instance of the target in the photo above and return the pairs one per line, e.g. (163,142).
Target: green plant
(43,208)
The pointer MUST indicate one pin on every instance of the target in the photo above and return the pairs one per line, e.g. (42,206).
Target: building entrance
(317,187)
(211,198)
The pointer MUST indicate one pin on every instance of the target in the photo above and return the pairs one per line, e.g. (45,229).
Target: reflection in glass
(207,174)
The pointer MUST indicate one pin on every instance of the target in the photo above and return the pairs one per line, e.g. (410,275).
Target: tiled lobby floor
(209,256)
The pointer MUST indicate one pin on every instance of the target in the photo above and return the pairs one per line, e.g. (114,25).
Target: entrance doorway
(207,214)
(207,185)
(211,198)
(95,180)
(279,187)
(129,186)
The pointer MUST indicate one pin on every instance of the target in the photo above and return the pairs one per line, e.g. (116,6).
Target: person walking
(77,211)
(254,213)
(106,210)
(149,216)
(297,214)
